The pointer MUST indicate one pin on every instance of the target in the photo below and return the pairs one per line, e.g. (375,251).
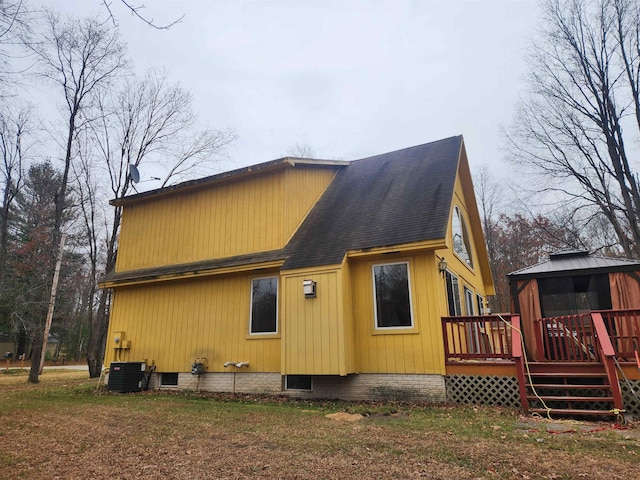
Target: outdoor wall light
(442,266)
(309,288)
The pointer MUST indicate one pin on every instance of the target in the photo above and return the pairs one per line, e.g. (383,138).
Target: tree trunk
(98,336)
(36,353)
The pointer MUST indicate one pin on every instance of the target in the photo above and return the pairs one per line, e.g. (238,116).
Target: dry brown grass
(18,378)
(63,428)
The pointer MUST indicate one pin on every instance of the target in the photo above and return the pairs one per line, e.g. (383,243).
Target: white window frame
(474,330)
(458,305)
(480,303)
(275,332)
(375,303)
(469,306)
(464,234)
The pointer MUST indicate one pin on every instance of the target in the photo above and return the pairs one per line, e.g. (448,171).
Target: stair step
(572,411)
(570,386)
(565,366)
(562,374)
(556,398)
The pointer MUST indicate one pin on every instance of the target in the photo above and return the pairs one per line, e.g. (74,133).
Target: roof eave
(190,185)
(433,244)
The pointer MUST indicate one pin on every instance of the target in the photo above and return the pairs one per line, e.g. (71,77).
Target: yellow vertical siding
(303,186)
(348,325)
(254,214)
(173,323)
(417,350)
(313,336)
(471,277)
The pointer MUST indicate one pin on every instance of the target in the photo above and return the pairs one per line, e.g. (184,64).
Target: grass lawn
(67,428)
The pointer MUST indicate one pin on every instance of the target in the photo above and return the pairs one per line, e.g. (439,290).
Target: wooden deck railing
(623,327)
(477,338)
(569,338)
(572,338)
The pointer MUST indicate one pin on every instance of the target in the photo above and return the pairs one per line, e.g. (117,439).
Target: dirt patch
(544,426)
(345,417)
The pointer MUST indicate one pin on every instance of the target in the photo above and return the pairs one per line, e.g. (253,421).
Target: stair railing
(623,327)
(607,356)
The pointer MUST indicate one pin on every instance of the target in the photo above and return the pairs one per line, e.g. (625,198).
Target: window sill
(262,336)
(395,331)
(462,261)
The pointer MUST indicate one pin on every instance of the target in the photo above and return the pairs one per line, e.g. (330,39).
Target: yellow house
(307,277)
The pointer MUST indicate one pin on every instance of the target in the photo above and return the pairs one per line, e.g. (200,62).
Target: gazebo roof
(575,262)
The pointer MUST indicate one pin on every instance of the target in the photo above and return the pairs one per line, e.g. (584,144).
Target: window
(468,302)
(474,329)
(264,305)
(453,294)
(480,304)
(392,299)
(297,382)
(461,243)
(169,379)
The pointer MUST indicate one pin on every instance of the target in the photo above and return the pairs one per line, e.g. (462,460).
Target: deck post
(445,338)
(517,353)
(539,329)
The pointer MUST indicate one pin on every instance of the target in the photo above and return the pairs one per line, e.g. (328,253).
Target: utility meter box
(117,338)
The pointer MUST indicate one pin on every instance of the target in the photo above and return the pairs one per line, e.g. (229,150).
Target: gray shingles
(575,262)
(385,200)
(151,274)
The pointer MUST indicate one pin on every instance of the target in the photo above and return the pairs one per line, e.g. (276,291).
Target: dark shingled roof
(390,199)
(151,274)
(579,262)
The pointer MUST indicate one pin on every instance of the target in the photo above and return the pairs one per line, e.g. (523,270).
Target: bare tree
(91,304)
(137,11)
(78,56)
(13,128)
(14,23)
(584,86)
(148,123)
(301,150)
(490,196)
(14,146)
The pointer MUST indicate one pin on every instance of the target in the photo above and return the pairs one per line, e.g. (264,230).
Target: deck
(574,365)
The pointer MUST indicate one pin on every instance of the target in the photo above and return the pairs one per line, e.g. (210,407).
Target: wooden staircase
(569,388)
(577,376)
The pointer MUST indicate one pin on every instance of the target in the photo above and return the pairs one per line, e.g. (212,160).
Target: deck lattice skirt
(631,402)
(483,390)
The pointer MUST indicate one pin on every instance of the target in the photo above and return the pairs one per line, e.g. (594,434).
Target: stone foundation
(366,386)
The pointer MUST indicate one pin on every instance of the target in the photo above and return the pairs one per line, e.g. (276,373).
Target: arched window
(461,243)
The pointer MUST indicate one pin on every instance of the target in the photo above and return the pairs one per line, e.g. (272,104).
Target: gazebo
(571,283)
(569,347)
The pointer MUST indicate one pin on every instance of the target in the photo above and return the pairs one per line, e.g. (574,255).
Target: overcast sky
(349,78)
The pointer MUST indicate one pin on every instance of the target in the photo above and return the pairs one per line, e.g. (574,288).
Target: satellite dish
(134,173)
